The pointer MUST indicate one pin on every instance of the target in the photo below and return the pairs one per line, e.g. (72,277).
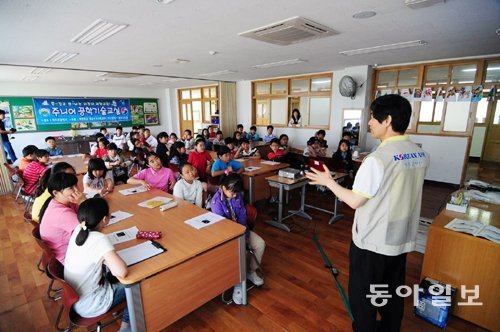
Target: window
(408,77)
(198,107)
(463,74)
(457,116)
(276,99)
(493,72)
(386,79)
(436,75)
(496,119)
(482,110)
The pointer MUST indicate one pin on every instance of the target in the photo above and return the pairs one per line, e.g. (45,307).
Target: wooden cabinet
(77,145)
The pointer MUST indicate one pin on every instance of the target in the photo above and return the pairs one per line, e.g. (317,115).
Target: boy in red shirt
(35,170)
(276,154)
(201,160)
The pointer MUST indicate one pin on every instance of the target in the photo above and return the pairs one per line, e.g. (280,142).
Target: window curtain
(227,112)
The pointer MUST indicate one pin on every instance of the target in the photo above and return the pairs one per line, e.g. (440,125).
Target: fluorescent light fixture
(218,73)
(60,57)
(30,78)
(165,2)
(98,31)
(100,80)
(176,60)
(174,79)
(388,47)
(39,71)
(279,63)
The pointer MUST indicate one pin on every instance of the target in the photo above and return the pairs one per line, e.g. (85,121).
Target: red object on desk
(150,235)
(316,164)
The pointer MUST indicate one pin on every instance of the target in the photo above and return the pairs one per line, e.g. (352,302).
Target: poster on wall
(21,112)
(80,125)
(150,108)
(406,94)
(427,94)
(477,93)
(451,94)
(137,114)
(97,124)
(70,110)
(25,124)
(440,94)
(151,119)
(465,93)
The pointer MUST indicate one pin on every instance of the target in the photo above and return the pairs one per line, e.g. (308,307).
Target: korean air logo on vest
(407,156)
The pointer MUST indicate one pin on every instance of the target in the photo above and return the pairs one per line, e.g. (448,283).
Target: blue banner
(71,110)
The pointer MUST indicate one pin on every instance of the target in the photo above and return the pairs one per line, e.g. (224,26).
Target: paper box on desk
(462,208)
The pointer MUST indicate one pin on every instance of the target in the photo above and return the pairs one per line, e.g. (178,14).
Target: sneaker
(237,295)
(255,279)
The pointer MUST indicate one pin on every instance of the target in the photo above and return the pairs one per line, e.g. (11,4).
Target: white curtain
(227,98)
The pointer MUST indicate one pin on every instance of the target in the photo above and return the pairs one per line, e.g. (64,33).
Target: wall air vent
(290,31)
(119,75)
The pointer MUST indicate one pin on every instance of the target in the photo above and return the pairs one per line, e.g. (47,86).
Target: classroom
(287,165)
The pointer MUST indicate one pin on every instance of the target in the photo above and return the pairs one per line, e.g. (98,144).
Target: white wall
(299,136)
(48,90)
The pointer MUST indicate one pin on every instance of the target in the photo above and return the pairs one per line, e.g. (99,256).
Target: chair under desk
(197,266)
(286,184)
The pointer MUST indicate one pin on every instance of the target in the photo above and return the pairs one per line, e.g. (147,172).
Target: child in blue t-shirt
(225,164)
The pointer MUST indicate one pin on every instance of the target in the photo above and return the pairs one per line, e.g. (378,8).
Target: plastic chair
(44,261)
(17,180)
(70,297)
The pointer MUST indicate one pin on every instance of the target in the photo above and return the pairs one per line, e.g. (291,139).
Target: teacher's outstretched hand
(318,177)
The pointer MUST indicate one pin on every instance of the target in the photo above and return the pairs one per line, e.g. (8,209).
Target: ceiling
(188,29)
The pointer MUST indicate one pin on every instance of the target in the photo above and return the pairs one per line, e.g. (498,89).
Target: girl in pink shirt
(58,216)
(155,176)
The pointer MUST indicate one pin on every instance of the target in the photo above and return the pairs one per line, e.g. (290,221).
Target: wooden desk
(79,164)
(462,259)
(255,182)
(199,264)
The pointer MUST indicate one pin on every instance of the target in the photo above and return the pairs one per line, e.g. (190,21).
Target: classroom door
(186,116)
(491,150)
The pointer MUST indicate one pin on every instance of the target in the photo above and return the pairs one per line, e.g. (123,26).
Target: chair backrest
(47,252)
(69,295)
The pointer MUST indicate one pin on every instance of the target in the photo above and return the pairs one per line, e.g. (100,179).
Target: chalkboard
(21,116)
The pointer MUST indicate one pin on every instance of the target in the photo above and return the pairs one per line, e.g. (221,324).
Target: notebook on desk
(141,252)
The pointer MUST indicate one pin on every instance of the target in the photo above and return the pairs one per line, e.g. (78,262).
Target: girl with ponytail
(88,250)
(58,214)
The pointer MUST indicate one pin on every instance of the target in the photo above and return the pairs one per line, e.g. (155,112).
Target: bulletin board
(22,113)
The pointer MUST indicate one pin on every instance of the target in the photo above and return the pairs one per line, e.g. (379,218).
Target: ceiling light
(100,80)
(30,78)
(176,60)
(387,47)
(212,52)
(165,2)
(39,71)
(364,14)
(98,31)
(218,73)
(60,57)
(279,63)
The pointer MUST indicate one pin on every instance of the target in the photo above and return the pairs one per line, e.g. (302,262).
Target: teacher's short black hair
(397,107)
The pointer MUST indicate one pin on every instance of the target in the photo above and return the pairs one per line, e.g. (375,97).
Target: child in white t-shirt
(88,250)
(98,179)
(189,188)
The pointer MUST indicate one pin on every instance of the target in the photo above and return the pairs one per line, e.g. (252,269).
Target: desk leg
(279,223)
(336,217)
(251,184)
(243,268)
(134,303)
(301,212)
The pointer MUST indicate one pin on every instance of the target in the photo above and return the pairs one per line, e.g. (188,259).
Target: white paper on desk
(73,155)
(269,162)
(155,202)
(118,216)
(123,235)
(56,157)
(139,252)
(251,168)
(240,160)
(131,191)
(197,222)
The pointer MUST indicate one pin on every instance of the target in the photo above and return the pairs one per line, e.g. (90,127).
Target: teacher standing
(296,120)
(5,138)
(387,195)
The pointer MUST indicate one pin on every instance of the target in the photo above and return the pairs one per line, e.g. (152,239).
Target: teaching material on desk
(123,235)
(204,220)
(150,235)
(490,197)
(240,160)
(155,202)
(168,206)
(458,203)
(290,173)
(134,190)
(118,216)
(141,252)
(269,162)
(251,168)
(475,228)
(431,306)
(422,231)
